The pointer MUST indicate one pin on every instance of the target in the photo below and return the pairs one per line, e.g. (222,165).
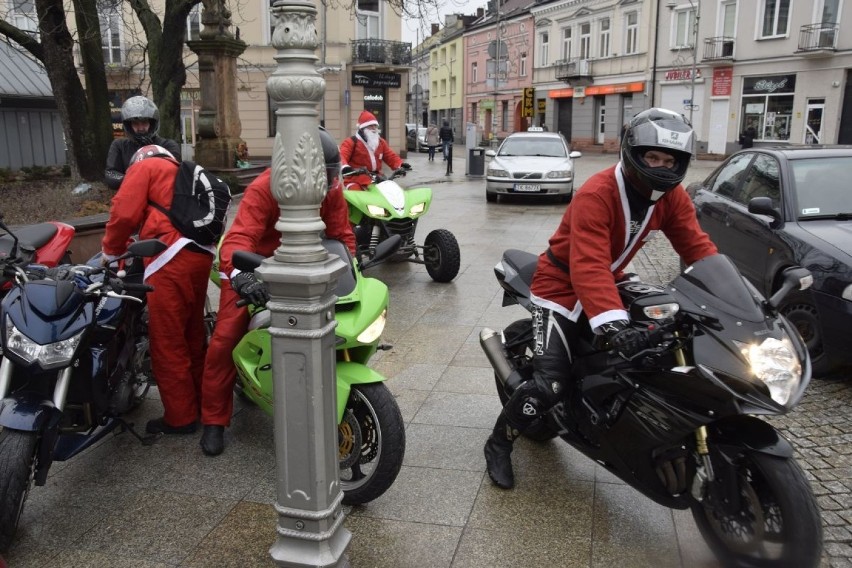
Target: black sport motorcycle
(676,421)
(74,360)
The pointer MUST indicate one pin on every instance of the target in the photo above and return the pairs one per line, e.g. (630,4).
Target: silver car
(531,163)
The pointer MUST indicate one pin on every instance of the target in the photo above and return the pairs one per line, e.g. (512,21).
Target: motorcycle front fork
(60,390)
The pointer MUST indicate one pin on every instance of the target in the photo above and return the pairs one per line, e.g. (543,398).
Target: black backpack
(200,204)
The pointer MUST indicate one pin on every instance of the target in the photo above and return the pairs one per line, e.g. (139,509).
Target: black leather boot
(498,453)
(212,440)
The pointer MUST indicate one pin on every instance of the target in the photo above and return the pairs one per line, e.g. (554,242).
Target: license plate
(527,187)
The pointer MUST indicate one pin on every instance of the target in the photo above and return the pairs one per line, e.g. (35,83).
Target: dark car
(770,208)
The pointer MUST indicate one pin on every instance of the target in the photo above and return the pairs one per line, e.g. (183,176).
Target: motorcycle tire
(371,443)
(17,468)
(777,526)
(441,255)
(518,339)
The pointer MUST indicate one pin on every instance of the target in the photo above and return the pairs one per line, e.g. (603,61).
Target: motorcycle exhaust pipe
(492,343)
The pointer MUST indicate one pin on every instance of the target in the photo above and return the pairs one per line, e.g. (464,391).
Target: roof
(21,75)
(793,152)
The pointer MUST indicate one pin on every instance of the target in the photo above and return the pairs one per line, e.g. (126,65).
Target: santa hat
(366,119)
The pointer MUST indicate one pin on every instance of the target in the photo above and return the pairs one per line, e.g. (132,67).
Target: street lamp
(696,5)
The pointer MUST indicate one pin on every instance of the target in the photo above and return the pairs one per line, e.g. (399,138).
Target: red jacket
(354,153)
(254,225)
(591,241)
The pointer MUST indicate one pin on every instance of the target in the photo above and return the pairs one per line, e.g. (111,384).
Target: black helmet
(140,108)
(331,153)
(656,129)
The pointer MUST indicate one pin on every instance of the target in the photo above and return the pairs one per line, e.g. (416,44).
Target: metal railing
(567,70)
(820,36)
(381,51)
(720,47)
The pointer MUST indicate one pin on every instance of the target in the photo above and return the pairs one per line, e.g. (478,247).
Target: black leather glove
(626,340)
(250,289)
(406,166)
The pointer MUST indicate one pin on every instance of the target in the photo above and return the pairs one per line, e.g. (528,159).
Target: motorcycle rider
(141,120)
(610,218)
(179,277)
(367,149)
(254,230)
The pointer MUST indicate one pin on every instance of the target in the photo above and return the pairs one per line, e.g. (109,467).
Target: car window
(533,147)
(761,180)
(822,186)
(728,179)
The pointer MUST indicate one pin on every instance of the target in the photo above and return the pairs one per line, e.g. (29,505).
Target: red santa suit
(253,230)
(355,153)
(591,242)
(179,277)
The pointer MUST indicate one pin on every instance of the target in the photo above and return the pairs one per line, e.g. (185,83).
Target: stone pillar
(219,126)
(301,277)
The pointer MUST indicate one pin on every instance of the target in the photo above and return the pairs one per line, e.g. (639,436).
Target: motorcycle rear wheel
(777,526)
(371,441)
(17,468)
(441,255)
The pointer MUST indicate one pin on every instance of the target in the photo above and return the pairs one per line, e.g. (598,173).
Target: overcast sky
(410,27)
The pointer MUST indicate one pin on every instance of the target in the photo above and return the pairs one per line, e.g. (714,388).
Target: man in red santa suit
(574,286)
(254,230)
(367,149)
(179,277)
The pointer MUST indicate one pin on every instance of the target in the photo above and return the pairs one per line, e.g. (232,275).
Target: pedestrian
(447,139)
(432,139)
(179,276)
(747,137)
(366,149)
(254,230)
(140,118)
(574,285)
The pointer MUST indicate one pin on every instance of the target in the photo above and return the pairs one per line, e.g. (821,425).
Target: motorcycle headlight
(374,330)
(418,209)
(774,362)
(48,356)
(376,211)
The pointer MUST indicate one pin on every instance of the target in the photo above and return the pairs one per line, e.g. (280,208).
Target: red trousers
(176,331)
(217,385)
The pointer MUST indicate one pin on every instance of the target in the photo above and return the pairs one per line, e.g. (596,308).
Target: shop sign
(376,79)
(722,80)
(681,75)
(527,103)
(374,98)
(769,85)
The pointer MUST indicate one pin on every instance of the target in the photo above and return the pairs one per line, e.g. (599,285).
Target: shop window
(767,106)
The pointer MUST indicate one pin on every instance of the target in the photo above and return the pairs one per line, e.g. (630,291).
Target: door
(564,109)
(187,133)
(717,137)
(714,200)
(600,120)
(813,121)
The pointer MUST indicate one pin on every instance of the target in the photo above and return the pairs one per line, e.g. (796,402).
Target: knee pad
(526,405)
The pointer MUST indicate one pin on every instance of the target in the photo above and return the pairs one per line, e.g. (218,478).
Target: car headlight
(374,330)
(48,356)
(559,174)
(774,362)
(376,211)
(418,209)
(497,173)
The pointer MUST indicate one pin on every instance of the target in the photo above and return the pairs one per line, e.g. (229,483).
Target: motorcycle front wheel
(17,467)
(778,521)
(441,255)
(371,443)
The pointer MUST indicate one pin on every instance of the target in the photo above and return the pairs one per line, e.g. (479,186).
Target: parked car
(770,208)
(532,163)
(416,140)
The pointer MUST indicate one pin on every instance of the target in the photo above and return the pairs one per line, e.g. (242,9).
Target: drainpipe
(654,64)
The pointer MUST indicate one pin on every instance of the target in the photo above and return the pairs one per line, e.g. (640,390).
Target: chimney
(436,28)
(480,12)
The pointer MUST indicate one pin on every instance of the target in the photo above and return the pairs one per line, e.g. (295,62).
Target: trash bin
(476,162)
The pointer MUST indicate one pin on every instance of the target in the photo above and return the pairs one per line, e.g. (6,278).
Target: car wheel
(804,317)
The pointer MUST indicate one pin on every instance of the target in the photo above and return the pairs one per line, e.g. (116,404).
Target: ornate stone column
(301,277)
(219,126)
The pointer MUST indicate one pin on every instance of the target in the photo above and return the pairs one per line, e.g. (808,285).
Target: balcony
(381,54)
(817,40)
(576,72)
(718,50)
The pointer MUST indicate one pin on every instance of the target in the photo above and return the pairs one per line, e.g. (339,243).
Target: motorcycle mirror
(245,261)
(384,250)
(795,278)
(146,248)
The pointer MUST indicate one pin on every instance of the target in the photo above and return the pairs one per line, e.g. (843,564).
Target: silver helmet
(140,108)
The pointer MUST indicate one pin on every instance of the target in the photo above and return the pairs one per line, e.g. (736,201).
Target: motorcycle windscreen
(715,284)
(347,281)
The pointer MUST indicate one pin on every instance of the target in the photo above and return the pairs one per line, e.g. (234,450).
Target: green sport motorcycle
(384,208)
(371,432)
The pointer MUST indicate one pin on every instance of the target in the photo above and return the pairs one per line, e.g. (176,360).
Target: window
(543,58)
(631,37)
(368,17)
(109,14)
(585,40)
(761,181)
(830,12)
(729,178)
(522,65)
(452,86)
(767,106)
(443,87)
(604,44)
(24,16)
(434,89)
(683,25)
(776,17)
(474,72)
(193,23)
(504,115)
(566,43)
